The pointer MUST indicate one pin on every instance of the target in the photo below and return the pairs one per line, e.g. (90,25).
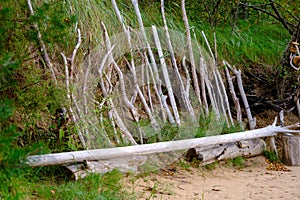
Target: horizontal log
(125,164)
(110,153)
(209,154)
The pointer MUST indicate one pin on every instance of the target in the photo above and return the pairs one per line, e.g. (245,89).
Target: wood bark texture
(210,154)
(147,149)
(291,149)
(127,164)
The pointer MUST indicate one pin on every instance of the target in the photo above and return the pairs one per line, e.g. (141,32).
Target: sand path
(253,182)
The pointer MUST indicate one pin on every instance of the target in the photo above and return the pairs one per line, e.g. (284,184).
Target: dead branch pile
(152,85)
(140,81)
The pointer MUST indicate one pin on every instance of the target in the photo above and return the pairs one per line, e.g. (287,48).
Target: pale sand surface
(253,182)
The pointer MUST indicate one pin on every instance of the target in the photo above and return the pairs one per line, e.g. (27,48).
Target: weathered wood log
(146,149)
(125,164)
(210,154)
(298,107)
(291,149)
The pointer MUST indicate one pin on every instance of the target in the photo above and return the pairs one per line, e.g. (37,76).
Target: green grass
(211,166)
(36,184)
(250,43)
(247,43)
(271,156)
(237,162)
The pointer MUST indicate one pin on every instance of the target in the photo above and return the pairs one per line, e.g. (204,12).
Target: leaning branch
(280,18)
(190,51)
(42,43)
(166,74)
(74,53)
(238,74)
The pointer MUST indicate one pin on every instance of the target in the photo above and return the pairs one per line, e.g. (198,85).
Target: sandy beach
(253,181)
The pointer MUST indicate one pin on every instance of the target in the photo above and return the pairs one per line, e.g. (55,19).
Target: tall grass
(50,183)
(261,43)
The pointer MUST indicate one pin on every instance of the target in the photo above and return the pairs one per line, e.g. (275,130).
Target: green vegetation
(211,125)
(271,156)
(94,186)
(237,162)
(46,184)
(211,166)
(29,99)
(185,165)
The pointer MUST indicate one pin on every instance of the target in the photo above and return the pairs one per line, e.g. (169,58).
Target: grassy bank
(29,98)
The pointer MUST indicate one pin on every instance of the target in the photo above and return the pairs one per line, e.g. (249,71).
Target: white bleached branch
(147,149)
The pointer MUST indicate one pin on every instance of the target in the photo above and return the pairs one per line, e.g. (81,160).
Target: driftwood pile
(137,82)
(148,78)
(130,158)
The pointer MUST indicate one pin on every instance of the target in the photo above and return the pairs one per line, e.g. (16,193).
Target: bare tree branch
(42,43)
(190,50)
(166,75)
(280,18)
(285,23)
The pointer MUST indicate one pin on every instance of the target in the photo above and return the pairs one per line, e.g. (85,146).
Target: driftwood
(234,97)
(184,94)
(227,106)
(51,68)
(158,82)
(271,145)
(131,65)
(210,154)
(190,51)
(126,164)
(298,107)
(291,149)
(203,90)
(102,160)
(146,149)
(166,75)
(238,74)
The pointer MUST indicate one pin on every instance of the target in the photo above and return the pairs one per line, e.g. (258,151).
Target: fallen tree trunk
(127,164)
(210,154)
(146,149)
